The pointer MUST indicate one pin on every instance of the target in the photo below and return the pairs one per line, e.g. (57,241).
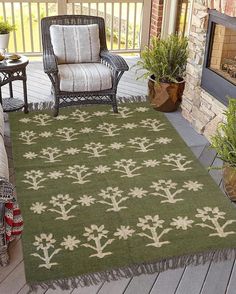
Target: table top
(8,64)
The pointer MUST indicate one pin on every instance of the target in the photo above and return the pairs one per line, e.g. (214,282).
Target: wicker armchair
(116,64)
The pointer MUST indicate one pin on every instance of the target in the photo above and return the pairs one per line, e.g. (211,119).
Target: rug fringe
(48,105)
(136,270)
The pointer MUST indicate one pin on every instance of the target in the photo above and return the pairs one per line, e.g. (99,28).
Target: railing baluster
(13,22)
(46,8)
(39,26)
(22,26)
(4,11)
(73,8)
(97,8)
(112,24)
(81,7)
(31,29)
(120,22)
(135,17)
(127,28)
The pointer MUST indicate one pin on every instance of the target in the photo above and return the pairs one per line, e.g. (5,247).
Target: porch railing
(127,22)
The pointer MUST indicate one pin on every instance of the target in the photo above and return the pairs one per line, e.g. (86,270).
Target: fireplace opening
(223,53)
(219,70)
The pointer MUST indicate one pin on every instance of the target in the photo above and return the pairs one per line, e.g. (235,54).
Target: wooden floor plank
(114,287)
(193,279)
(87,290)
(16,257)
(208,156)
(25,290)
(197,150)
(141,284)
(14,282)
(167,282)
(217,277)
(231,287)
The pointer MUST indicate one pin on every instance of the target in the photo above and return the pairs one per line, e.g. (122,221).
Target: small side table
(12,71)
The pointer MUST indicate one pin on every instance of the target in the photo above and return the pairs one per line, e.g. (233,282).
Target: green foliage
(6,28)
(224,141)
(165,59)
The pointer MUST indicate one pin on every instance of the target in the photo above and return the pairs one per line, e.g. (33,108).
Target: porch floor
(210,278)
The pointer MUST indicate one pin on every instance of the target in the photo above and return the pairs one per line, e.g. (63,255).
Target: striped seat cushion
(84,77)
(75,43)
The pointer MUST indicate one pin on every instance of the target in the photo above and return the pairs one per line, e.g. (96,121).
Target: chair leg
(114,104)
(56,106)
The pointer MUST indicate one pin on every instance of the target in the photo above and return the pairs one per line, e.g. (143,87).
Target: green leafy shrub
(6,28)
(224,141)
(165,60)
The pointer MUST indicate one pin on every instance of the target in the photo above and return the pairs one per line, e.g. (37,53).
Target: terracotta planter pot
(4,40)
(229,180)
(165,97)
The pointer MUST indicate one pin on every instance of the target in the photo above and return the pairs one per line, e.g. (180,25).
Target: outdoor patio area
(210,278)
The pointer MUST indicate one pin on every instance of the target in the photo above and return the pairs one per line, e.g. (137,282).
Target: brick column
(156,18)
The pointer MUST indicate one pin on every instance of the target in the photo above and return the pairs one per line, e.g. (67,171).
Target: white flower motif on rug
(151,163)
(62,201)
(129,126)
(163,140)
(86,130)
(153,125)
(138,192)
(25,120)
(100,113)
(153,224)
(124,112)
(42,119)
(163,189)
(86,200)
(178,161)
(193,186)
(44,242)
(213,216)
(101,169)
(54,175)
(79,174)
(30,155)
(94,149)
(181,223)
(51,154)
(124,232)
(46,134)
(61,117)
(116,145)
(72,151)
(80,116)
(28,137)
(112,197)
(141,144)
(127,167)
(108,129)
(34,178)
(67,134)
(38,207)
(96,234)
(70,242)
(142,109)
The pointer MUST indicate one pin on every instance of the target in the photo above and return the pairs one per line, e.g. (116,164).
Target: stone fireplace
(211,68)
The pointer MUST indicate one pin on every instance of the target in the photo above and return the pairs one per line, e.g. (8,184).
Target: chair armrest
(115,61)
(50,63)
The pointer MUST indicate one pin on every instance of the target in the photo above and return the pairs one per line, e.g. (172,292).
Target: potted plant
(164,63)
(224,142)
(5,29)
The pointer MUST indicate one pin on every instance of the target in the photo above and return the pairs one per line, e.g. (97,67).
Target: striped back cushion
(75,43)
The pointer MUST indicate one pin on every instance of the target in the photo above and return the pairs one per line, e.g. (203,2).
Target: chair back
(46,22)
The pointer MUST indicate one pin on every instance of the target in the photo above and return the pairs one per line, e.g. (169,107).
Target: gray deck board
(141,284)
(189,280)
(167,282)
(192,279)
(217,278)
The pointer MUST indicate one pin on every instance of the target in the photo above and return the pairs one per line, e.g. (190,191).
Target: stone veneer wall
(200,108)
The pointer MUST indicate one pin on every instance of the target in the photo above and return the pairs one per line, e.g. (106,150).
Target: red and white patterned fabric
(13,221)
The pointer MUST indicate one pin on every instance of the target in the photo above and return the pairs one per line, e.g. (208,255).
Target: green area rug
(107,195)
